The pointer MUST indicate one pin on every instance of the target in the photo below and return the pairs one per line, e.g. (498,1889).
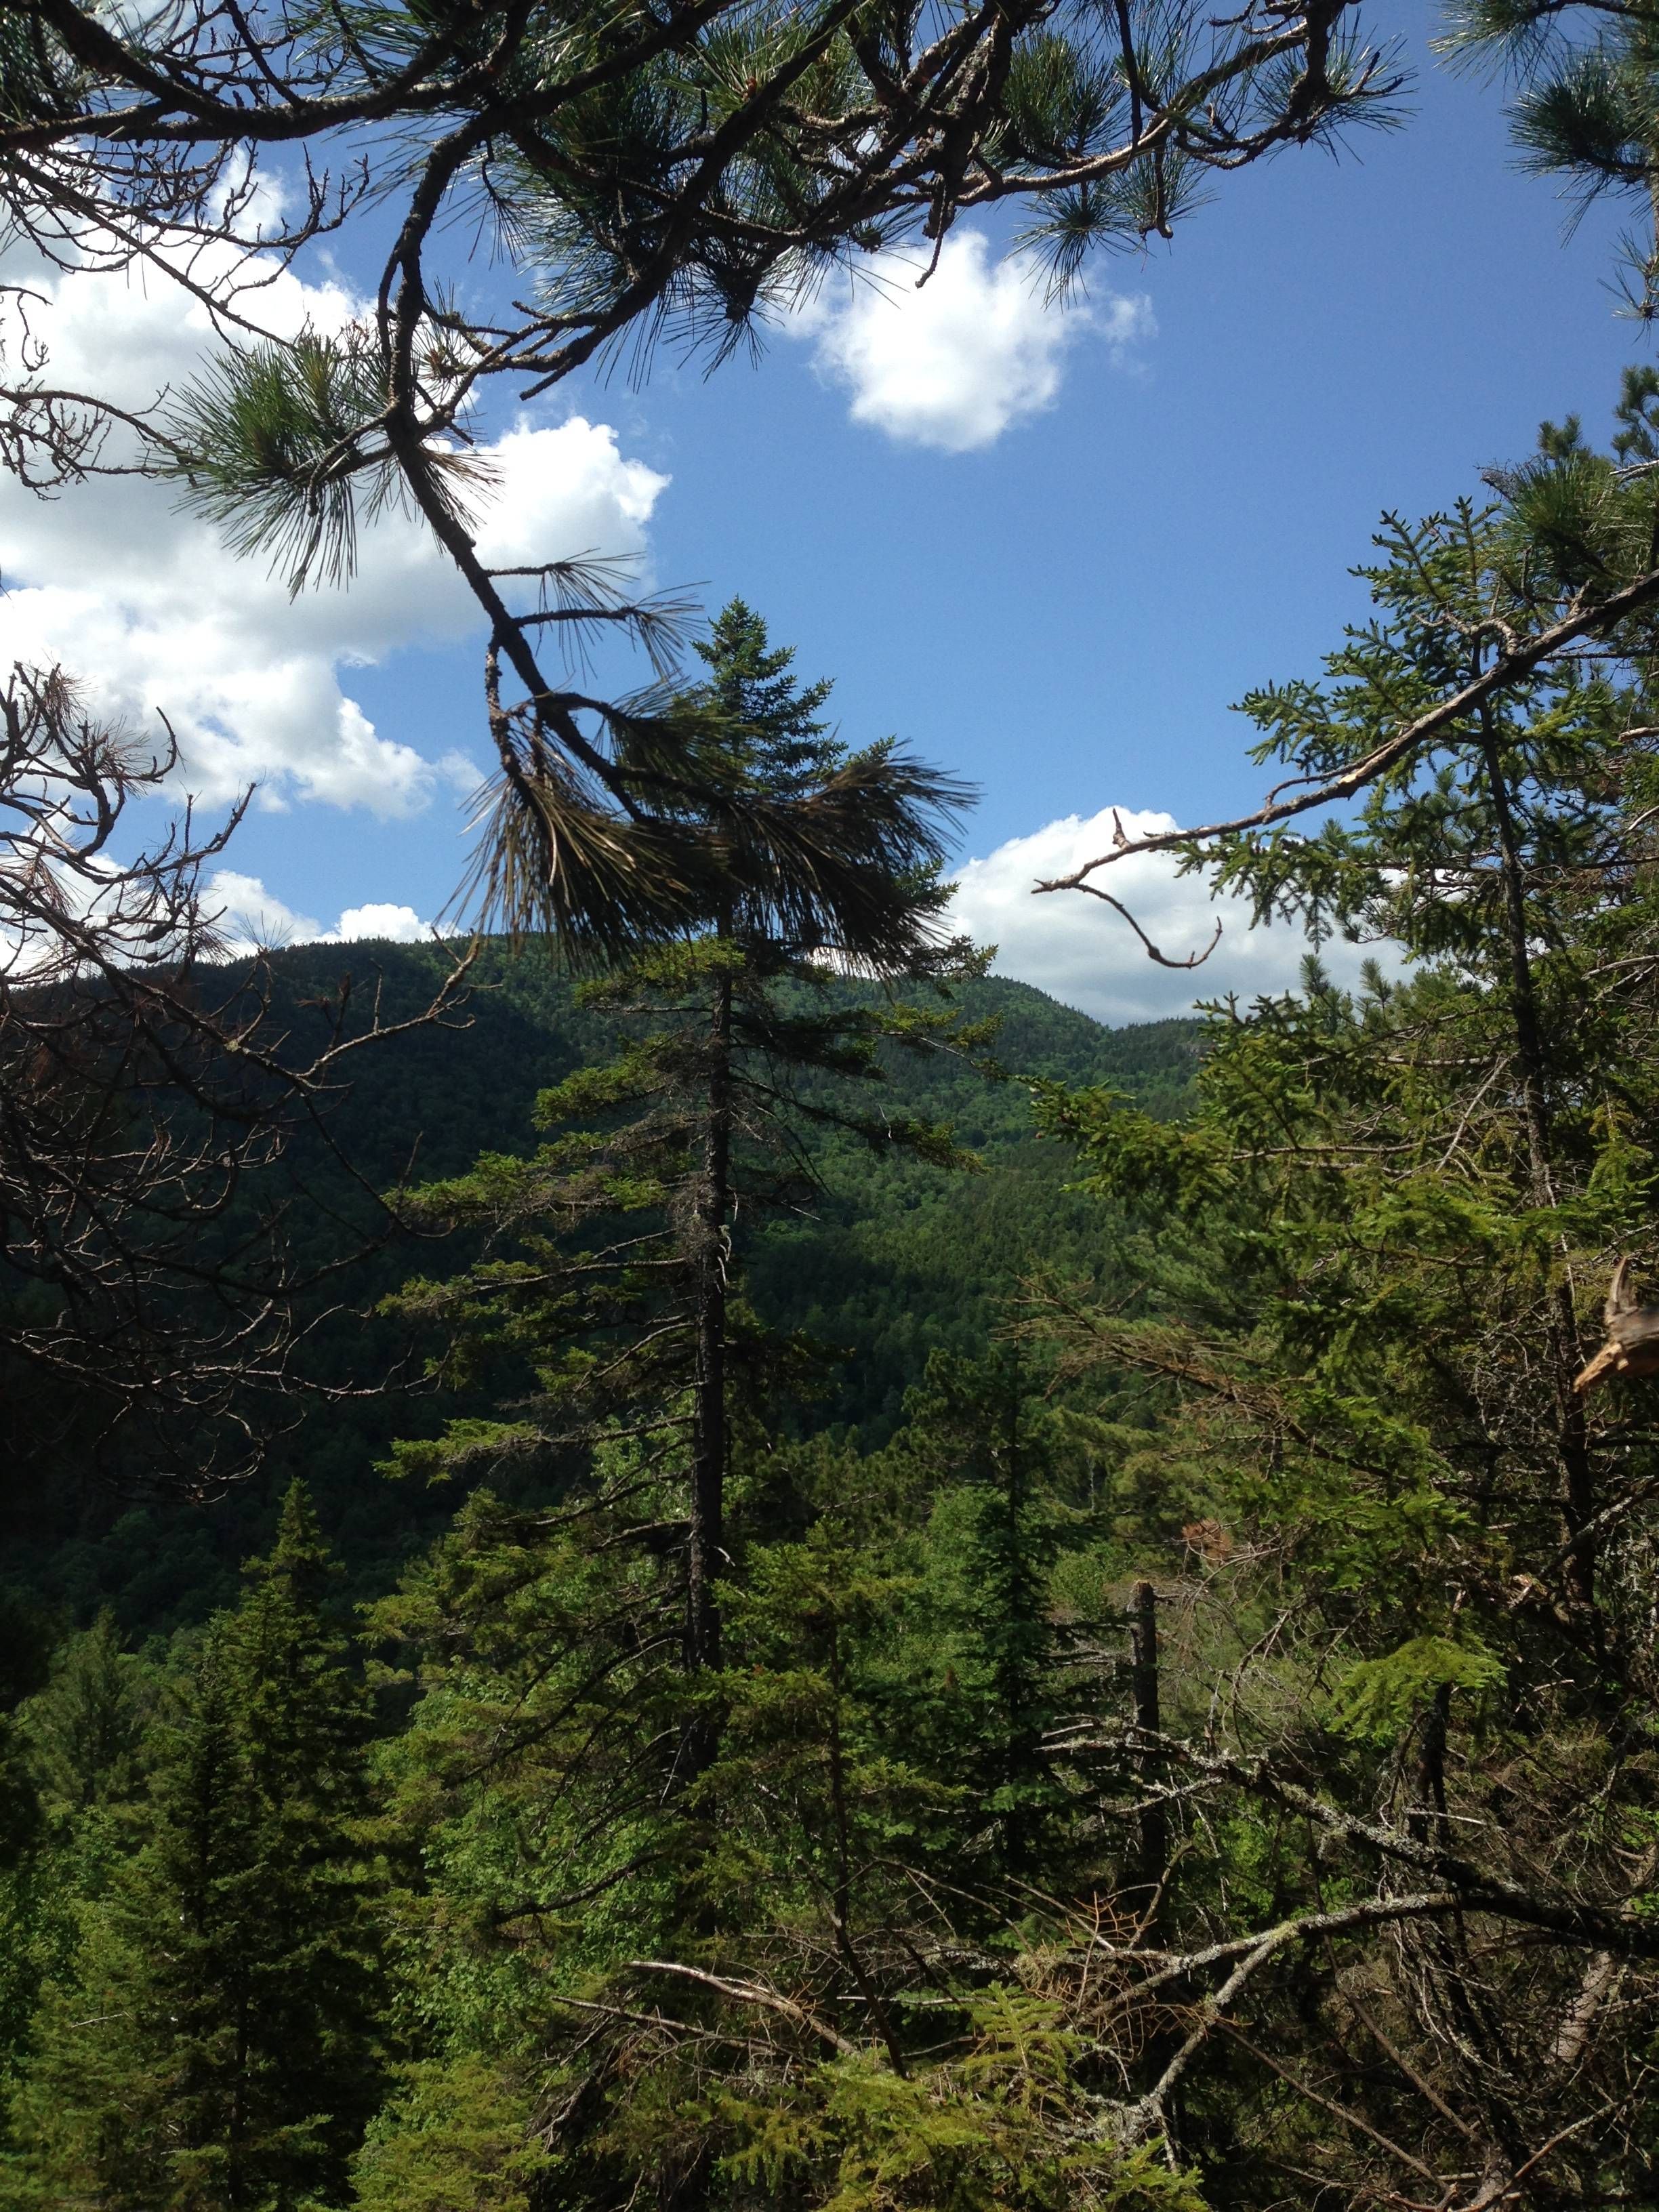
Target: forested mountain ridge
(463,1087)
(893,1260)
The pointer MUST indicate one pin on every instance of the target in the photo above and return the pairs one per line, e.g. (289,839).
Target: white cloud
(250,917)
(973,351)
(378,919)
(1079,951)
(149,609)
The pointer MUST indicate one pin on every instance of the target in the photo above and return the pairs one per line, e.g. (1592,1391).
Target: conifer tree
(1419,1549)
(218,2048)
(980,1424)
(570,1771)
(86,1729)
(739,1047)
(841,1991)
(76,1773)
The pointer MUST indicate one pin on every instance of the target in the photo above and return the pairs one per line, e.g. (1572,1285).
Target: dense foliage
(638,1677)
(837,1620)
(1423,1540)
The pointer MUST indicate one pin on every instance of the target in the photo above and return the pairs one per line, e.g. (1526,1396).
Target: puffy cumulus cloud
(249,917)
(146,608)
(380,920)
(973,351)
(568,487)
(1081,952)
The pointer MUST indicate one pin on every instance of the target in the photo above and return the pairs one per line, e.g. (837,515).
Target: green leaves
(457,2138)
(1586,108)
(270,447)
(1130,1153)
(214,2037)
(1002,2126)
(1376,1698)
(281,445)
(1345,1371)
(1061,99)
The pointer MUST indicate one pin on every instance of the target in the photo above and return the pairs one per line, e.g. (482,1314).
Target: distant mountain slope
(898,1259)
(464,1091)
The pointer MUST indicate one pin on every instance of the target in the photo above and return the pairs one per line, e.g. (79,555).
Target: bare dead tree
(146,1280)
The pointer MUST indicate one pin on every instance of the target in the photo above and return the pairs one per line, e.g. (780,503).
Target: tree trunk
(1578,1503)
(1152,1841)
(708,1435)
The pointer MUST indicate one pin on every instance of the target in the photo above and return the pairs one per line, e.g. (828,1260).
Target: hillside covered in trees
(886,1262)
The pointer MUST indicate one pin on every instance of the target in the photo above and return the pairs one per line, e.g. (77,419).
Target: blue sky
(1061,611)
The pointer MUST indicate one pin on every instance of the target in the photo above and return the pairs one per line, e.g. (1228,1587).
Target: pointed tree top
(301,1555)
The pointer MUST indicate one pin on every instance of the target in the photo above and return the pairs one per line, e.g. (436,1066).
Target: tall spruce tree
(739,1041)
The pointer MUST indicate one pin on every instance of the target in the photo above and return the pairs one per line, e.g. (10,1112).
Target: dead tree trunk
(1152,1838)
